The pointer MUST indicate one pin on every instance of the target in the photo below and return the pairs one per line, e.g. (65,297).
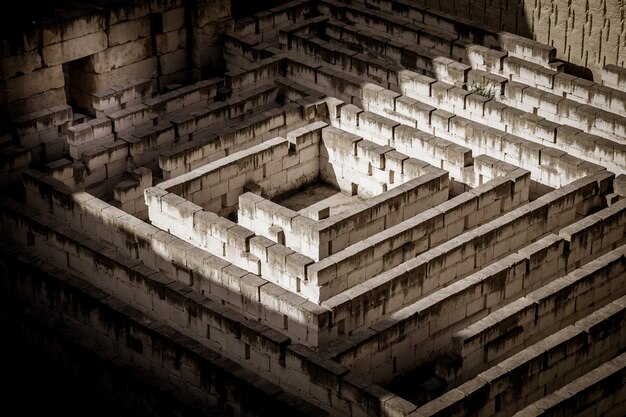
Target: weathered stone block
(207,12)
(173,19)
(73,49)
(74,27)
(119,56)
(16,65)
(40,81)
(80,134)
(171,41)
(173,62)
(99,82)
(128,31)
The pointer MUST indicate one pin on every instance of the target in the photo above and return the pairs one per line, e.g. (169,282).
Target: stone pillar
(209,19)
(26,84)
(168,26)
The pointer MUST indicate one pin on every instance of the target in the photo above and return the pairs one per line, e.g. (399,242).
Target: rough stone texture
(128,31)
(75,48)
(36,82)
(119,56)
(585,34)
(477,243)
(20,64)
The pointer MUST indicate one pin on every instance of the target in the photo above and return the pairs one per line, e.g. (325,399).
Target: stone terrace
(480,253)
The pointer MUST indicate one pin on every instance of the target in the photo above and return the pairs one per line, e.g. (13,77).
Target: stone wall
(450,261)
(274,167)
(525,178)
(69,57)
(154,350)
(163,291)
(320,239)
(152,275)
(213,144)
(586,34)
(171,257)
(523,378)
(528,319)
(433,104)
(599,391)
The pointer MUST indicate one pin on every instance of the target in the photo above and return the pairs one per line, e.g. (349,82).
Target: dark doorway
(76,90)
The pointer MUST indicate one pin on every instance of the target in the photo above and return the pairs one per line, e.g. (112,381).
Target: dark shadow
(246,8)
(426,382)
(21,16)
(577,70)
(307,195)
(44,372)
(47,356)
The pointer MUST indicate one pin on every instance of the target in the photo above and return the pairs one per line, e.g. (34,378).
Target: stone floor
(317,197)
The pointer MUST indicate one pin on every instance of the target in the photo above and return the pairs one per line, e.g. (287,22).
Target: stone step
(603,119)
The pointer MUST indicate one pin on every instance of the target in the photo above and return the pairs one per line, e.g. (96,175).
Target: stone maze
(374,209)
